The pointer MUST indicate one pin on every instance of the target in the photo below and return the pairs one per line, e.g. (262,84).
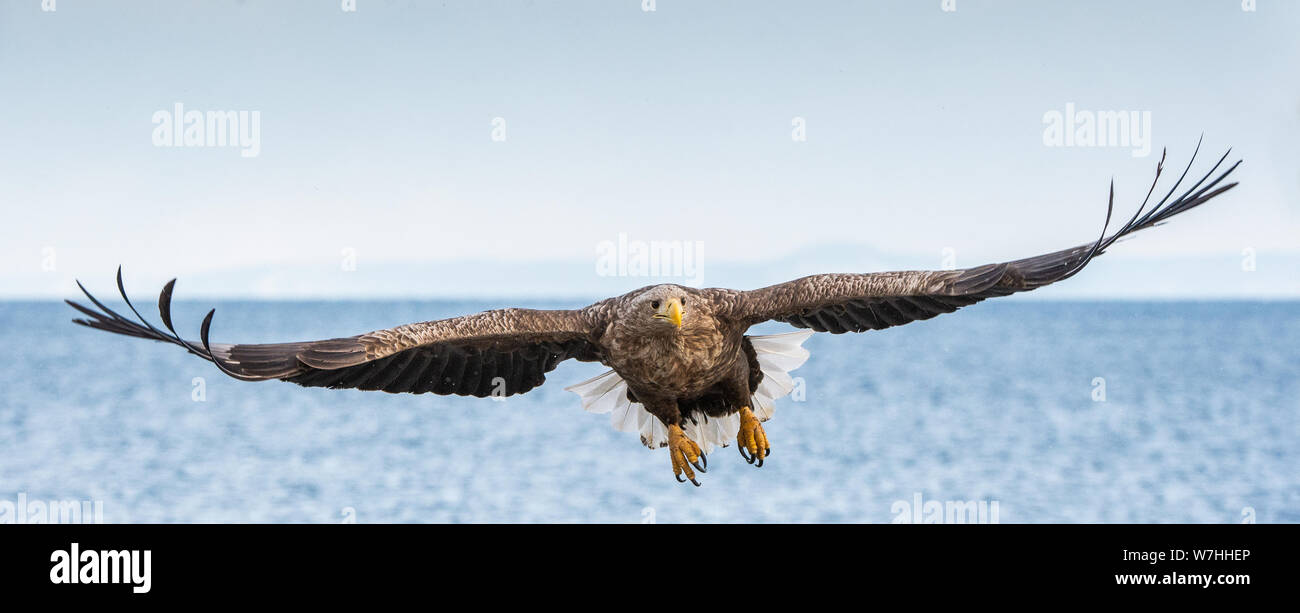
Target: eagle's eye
(683,303)
(654,305)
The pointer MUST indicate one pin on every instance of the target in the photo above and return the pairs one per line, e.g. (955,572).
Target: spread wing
(493,353)
(839,303)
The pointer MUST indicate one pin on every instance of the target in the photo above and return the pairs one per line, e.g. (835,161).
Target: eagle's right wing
(840,303)
(493,353)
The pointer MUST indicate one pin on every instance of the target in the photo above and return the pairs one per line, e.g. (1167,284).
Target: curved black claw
(703,469)
(745,454)
(760,461)
(697,483)
(679,478)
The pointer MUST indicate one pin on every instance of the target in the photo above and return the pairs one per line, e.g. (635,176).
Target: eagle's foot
(685,453)
(751,437)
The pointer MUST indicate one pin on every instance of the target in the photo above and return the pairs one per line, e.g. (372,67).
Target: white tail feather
(778,354)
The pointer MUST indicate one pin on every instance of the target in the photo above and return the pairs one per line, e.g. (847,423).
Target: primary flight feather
(685,374)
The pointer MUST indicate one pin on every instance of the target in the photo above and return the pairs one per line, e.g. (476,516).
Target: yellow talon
(751,437)
(684,453)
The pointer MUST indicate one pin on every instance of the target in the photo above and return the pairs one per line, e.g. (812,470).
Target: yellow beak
(675,312)
(672,311)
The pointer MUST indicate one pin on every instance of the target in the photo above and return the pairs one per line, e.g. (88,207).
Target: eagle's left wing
(493,353)
(839,303)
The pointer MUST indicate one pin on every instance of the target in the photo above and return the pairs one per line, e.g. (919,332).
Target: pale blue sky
(924,131)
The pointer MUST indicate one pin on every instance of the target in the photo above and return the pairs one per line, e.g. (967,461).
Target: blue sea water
(1001,402)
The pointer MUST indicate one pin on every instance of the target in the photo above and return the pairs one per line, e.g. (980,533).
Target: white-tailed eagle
(685,375)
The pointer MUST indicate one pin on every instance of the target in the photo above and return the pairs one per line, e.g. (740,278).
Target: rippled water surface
(1200,421)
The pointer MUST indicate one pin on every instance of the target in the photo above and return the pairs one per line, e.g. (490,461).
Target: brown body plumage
(682,352)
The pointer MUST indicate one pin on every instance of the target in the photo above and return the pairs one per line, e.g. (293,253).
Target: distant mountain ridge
(1115,275)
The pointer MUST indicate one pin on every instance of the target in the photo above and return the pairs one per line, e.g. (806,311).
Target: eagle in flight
(684,373)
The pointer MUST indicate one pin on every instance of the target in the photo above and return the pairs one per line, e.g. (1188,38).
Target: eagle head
(662,308)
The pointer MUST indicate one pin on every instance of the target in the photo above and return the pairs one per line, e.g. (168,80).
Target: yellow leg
(752,437)
(684,453)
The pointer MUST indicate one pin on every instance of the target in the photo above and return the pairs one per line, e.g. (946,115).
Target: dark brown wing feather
(502,352)
(839,303)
